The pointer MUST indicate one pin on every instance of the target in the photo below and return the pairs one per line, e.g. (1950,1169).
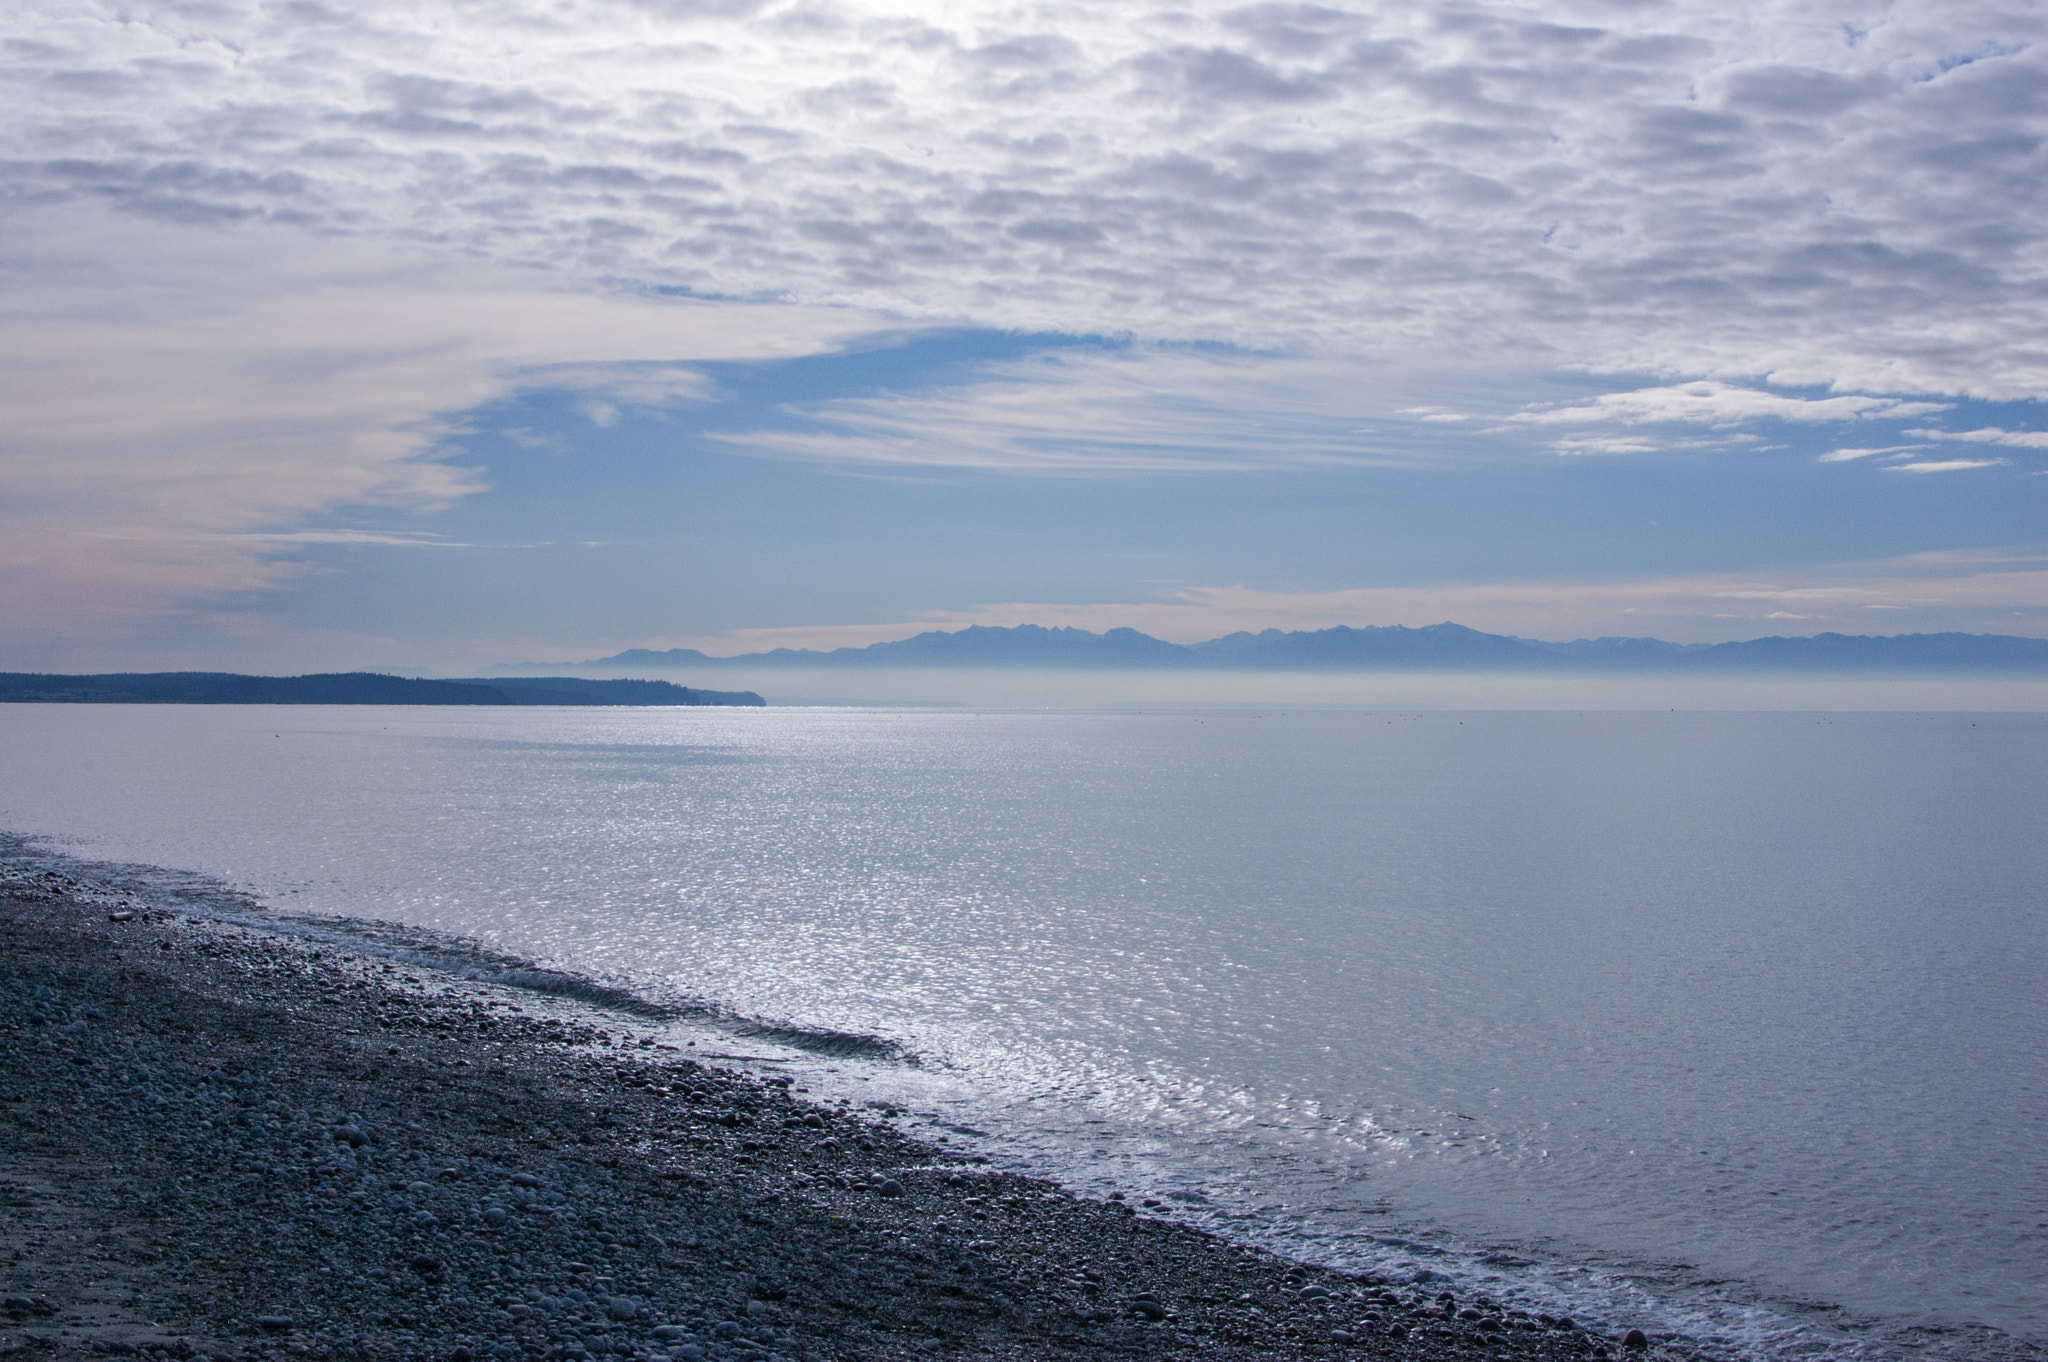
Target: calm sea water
(1731,1024)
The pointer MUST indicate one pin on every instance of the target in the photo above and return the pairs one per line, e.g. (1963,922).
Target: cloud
(1990,435)
(1604,444)
(1719,404)
(1645,189)
(381,537)
(1131,410)
(1156,409)
(1851,455)
(181,402)
(1944,466)
(605,388)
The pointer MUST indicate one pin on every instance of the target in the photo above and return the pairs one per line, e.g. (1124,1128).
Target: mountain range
(1438,647)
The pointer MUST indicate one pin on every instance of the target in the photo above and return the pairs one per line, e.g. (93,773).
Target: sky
(434,336)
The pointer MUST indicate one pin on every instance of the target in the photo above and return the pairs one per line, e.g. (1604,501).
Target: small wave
(823,1041)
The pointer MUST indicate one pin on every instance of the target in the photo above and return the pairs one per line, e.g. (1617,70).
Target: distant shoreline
(350,688)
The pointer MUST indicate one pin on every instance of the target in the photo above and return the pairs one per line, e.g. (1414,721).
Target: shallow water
(1709,1021)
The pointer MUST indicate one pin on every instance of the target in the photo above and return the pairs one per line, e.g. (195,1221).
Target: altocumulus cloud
(1818,194)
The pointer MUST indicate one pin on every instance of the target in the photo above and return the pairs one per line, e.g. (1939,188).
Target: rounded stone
(890,1187)
(1635,1338)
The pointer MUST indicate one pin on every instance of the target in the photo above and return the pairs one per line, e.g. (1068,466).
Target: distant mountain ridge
(1436,647)
(348,688)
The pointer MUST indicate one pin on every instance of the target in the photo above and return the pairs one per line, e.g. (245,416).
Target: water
(1730,1024)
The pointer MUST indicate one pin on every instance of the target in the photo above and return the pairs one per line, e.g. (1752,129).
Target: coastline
(238,1143)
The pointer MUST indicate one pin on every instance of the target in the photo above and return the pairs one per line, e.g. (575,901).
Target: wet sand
(229,1142)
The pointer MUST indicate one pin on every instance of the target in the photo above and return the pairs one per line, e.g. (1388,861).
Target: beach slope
(228,1141)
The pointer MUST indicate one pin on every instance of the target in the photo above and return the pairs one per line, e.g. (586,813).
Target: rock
(1149,1308)
(726,1329)
(273,1324)
(427,1265)
(1635,1338)
(1314,1293)
(525,1180)
(1342,1336)
(495,1216)
(689,1352)
(890,1187)
(669,1332)
(622,1308)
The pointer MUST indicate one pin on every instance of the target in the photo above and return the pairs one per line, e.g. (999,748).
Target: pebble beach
(219,1141)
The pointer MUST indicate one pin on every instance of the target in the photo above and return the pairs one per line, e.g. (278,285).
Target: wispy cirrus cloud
(1719,404)
(1129,410)
(1989,435)
(1852,455)
(180,404)
(1944,465)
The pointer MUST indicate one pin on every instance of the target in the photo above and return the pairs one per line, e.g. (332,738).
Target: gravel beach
(230,1142)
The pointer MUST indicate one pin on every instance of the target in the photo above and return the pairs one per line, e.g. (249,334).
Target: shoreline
(239,1143)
